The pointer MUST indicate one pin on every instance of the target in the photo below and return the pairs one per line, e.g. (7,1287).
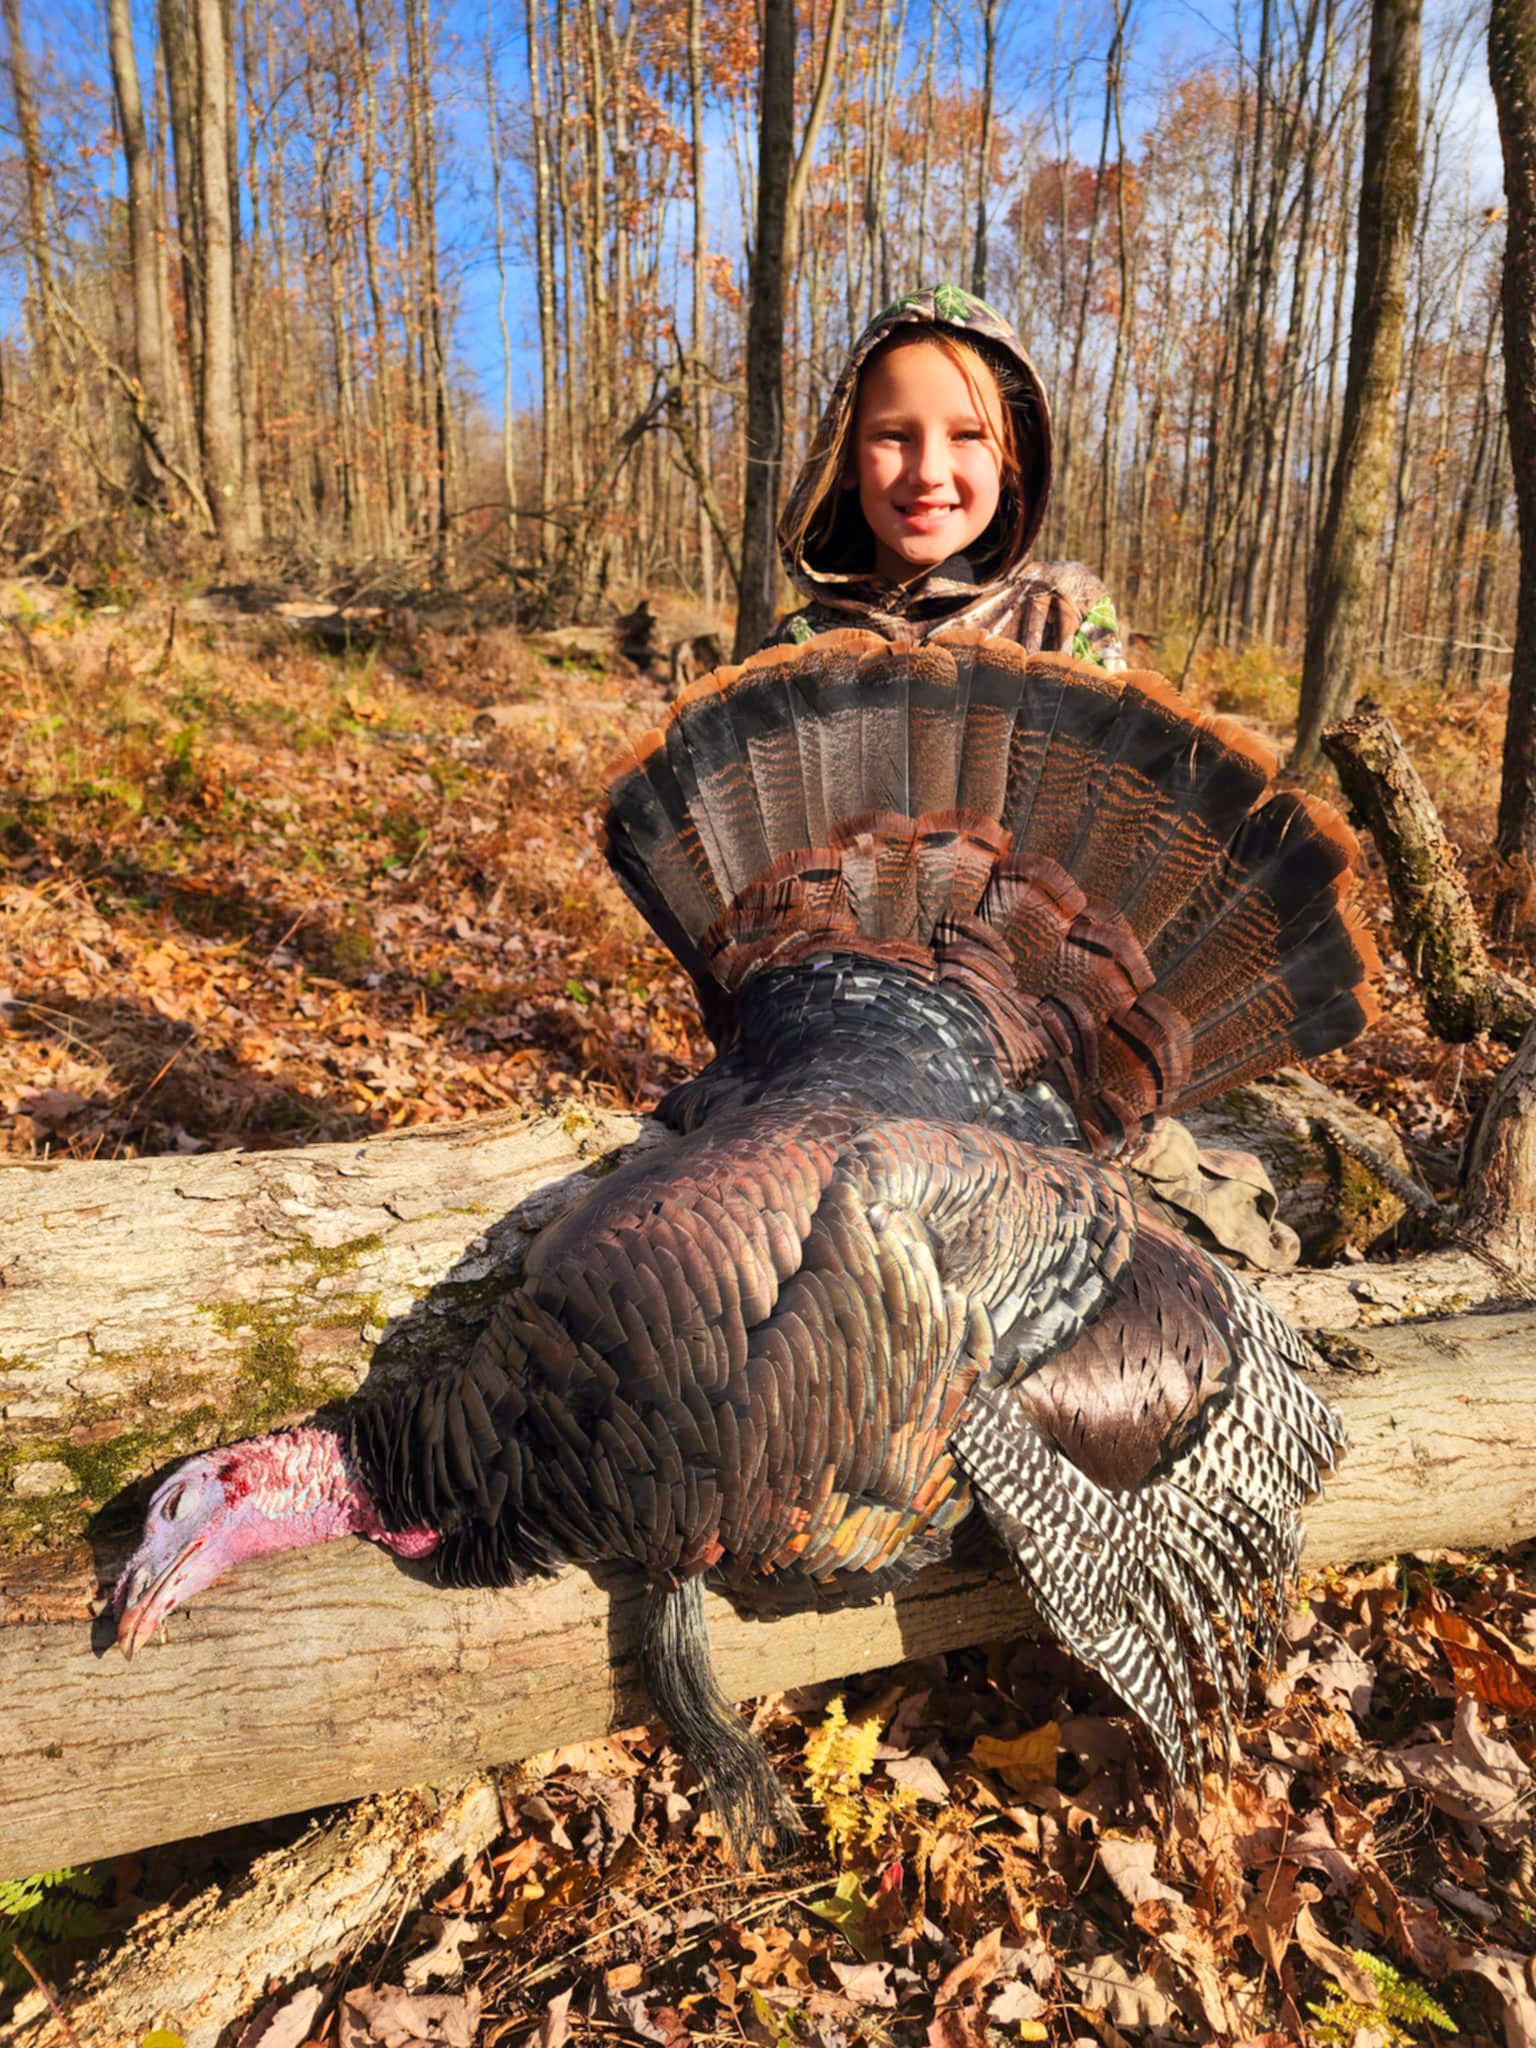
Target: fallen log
(324,1674)
(297,1912)
(150,1306)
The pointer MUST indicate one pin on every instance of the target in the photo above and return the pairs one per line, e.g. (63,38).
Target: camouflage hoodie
(996,586)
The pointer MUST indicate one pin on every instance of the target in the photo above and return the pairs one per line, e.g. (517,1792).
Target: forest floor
(252,894)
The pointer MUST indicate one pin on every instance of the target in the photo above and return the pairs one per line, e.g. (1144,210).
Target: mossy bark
(1464,992)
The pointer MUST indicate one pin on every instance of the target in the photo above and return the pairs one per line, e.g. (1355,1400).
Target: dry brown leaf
(284,2022)
(919,1775)
(1128,1864)
(1128,1999)
(1024,1760)
(1513,1979)
(777,1956)
(554,2030)
(1483,1661)
(975,1972)
(395,2018)
(447,1933)
(865,1983)
(1475,1776)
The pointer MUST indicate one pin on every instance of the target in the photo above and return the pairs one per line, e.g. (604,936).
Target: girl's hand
(1048,622)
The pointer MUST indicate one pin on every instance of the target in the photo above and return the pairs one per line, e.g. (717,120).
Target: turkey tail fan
(1168,923)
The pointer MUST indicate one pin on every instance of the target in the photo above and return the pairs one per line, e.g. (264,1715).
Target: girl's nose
(927,456)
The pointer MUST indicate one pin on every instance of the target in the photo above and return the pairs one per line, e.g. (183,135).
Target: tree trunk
(221,429)
(39,249)
(1340,607)
(544,259)
(1437,928)
(782,178)
(765,329)
(1512,69)
(144,253)
(984,154)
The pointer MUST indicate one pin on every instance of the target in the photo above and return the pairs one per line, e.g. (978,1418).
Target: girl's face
(926,461)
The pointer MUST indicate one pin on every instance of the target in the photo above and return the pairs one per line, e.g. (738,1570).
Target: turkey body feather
(965,924)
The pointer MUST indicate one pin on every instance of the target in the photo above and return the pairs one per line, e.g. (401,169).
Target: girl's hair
(1002,392)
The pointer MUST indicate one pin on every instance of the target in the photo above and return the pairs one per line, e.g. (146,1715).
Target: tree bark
(1512,70)
(1464,992)
(221,421)
(298,1912)
(979,254)
(39,247)
(1340,609)
(144,249)
(253,1289)
(782,177)
(544,259)
(765,329)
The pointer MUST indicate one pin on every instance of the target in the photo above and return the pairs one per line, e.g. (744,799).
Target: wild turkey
(964,923)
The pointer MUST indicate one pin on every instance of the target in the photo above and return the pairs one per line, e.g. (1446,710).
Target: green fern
(40,1912)
(1401,2007)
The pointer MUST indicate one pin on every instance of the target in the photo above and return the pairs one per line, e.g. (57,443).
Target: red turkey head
(268,1493)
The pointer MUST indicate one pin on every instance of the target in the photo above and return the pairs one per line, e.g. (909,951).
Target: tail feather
(1169,924)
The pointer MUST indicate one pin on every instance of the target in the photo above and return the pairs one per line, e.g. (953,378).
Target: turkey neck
(871,1035)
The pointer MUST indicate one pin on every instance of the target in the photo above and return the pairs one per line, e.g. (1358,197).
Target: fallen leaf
(970,1976)
(282,2022)
(777,1956)
(1513,1980)
(1127,1863)
(1023,1761)
(1483,1660)
(847,1909)
(1015,2006)
(554,2030)
(395,2018)
(1106,1985)
(958,2027)
(865,1983)
(1475,1776)
(447,1933)
(919,1775)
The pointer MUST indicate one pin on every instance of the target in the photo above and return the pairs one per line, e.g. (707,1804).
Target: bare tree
(221,426)
(144,253)
(1341,599)
(780,193)
(39,256)
(1512,68)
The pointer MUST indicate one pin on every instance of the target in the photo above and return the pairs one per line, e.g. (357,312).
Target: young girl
(916,510)
(925,487)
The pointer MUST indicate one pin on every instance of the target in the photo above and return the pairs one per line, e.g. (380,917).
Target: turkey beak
(142,1600)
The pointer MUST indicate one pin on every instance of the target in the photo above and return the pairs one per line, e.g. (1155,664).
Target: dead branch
(1464,992)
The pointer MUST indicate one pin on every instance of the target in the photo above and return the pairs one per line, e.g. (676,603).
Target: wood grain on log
(150,1306)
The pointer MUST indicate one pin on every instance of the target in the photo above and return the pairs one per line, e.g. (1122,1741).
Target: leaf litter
(266,899)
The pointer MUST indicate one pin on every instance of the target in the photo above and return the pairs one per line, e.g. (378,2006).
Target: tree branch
(1464,991)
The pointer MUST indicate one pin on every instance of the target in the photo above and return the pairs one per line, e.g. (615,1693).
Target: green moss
(331,1259)
(271,1383)
(1366,1207)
